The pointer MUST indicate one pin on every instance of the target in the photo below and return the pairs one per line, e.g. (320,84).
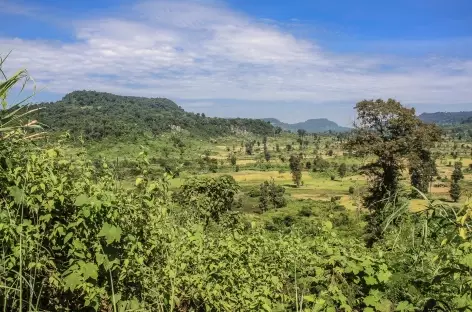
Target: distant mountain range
(311,125)
(446,118)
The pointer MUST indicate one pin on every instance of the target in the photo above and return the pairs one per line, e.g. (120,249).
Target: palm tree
(15,117)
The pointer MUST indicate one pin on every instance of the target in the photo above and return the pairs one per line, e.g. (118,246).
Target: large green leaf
(110,232)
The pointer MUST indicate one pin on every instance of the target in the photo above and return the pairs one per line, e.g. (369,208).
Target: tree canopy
(98,115)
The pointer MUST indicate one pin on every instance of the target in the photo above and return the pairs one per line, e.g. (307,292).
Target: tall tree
(394,134)
(422,171)
(456,176)
(296,169)
(301,132)
(342,170)
(233,159)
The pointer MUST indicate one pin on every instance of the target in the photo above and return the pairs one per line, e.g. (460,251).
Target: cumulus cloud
(202,52)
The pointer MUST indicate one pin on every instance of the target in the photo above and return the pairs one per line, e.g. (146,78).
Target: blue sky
(291,60)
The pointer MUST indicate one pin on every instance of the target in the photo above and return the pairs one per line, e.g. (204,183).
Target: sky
(292,60)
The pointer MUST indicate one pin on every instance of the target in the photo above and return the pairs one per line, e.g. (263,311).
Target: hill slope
(445,118)
(311,125)
(97,115)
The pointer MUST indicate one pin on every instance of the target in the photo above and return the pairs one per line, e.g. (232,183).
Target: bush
(207,198)
(351,190)
(271,196)
(254,192)
(305,212)
(335,198)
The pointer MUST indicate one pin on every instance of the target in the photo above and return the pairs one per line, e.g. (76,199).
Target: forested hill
(311,125)
(97,115)
(445,118)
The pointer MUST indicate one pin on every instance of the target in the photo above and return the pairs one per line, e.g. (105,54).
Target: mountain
(468,121)
(445,118)
(97,115)
(311,125)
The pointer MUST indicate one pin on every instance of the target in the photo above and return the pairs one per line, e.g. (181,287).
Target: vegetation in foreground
(73,237)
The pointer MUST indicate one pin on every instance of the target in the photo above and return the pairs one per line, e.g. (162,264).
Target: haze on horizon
(290,60)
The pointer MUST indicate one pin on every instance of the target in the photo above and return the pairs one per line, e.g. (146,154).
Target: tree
(267,155)
(277,147)
(301,132)
(233,159)
(422,171)
(271,195)
(457,172)
(208,198)
(320,164)
(288,147)
(342,170)
(455,190)
(392,133)
(249,147)
(296,169)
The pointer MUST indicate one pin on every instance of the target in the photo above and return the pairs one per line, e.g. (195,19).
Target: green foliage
(342,170)
(271,195)
(208,198)
(249,147)
(296,169)
(391,132)
(320,164)
(457,175)
(62,230)
(233,159)
(455,191)
(15,117)
(99,115)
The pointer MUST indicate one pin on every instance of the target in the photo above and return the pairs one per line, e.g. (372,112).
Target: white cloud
(203,52)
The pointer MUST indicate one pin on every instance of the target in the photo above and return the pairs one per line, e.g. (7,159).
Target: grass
(254,170)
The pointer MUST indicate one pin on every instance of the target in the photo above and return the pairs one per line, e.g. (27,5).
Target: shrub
(351,190)
(207,198)
(305,212)
(335,198)
(271,195)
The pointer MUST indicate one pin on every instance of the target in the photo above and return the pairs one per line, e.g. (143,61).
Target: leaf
(110,232)
(72,280)
(369,280)
(139,181)
(404,306)
(86,212)
(463,232)
(81,200)
(68,237)
(384,276)
(309,298)
(328,225)
(51,153)
(89,270)
(17,194)
(467,260)
(371,301)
